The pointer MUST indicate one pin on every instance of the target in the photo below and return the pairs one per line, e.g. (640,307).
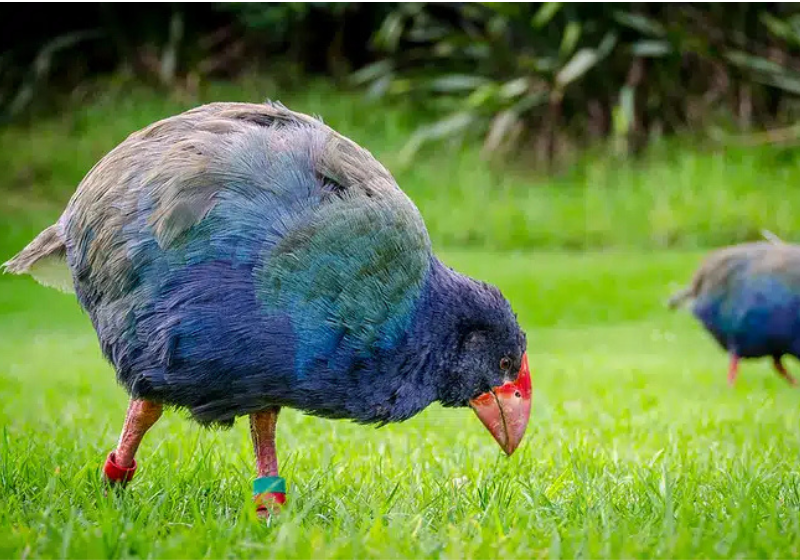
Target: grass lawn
(636,447)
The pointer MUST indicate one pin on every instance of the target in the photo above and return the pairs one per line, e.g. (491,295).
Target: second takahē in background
(748,297)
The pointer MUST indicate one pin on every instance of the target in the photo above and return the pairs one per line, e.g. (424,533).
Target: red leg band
(116,474)
(269,501)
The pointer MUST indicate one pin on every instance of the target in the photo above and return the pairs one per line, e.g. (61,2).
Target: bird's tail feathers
(679,298)
(771,237)
(44,258)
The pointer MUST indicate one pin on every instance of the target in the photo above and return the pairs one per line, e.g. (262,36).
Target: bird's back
(748,296)
(223,253)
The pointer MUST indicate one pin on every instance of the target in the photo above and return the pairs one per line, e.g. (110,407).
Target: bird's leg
(269,490)
(733,369)
(779,367)
(121,465)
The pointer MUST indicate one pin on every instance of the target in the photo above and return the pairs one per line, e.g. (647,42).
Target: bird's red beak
(505,409)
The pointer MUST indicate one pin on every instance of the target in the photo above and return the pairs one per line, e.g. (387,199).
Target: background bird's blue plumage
(756,316)
(748,297)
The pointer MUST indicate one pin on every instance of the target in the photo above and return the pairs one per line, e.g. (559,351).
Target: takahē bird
(239,258)
(748,297)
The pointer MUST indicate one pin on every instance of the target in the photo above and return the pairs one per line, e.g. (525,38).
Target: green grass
(636,448)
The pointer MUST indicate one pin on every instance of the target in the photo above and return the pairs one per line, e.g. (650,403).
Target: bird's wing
(262,162)
(349,270)
(290,143)
(760,293)
(349,277)
(334,244)
(782,262)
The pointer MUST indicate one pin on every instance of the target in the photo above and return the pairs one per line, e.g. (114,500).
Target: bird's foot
(781,369)
(269,495)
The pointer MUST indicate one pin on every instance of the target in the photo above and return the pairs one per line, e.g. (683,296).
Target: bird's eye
(505,364)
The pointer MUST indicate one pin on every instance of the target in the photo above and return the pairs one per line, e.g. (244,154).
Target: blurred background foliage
(550,76)
(564,75)
(511,125)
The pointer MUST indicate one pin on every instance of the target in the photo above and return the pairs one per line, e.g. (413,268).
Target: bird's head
(488,368)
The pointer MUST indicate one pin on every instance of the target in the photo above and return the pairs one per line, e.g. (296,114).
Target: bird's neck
(401,379)
(419,365)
